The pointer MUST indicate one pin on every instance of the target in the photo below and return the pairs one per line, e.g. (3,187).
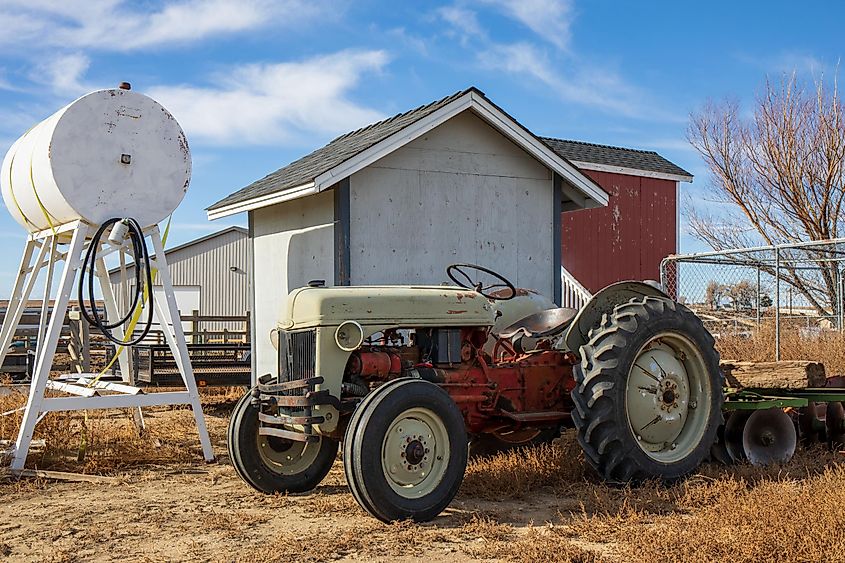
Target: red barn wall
(625,240)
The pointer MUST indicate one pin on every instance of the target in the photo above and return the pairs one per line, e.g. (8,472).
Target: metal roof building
(210,275)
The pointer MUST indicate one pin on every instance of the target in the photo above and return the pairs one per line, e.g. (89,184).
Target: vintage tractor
(406,377)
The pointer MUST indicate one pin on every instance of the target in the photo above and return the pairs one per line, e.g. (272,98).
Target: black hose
(141,259)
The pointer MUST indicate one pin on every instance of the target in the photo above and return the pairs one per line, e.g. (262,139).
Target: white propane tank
(111,153)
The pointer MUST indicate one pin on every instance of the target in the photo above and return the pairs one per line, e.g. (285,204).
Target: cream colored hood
(387,305)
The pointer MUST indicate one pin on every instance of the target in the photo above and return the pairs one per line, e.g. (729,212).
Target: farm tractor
(411,379)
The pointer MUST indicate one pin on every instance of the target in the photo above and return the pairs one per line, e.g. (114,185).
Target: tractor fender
(603,303)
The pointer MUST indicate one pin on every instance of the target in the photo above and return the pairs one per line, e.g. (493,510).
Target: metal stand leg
(20,295)
(47,349)
(176,341)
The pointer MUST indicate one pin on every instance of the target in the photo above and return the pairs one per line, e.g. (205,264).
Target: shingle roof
(307,168)
(649,161)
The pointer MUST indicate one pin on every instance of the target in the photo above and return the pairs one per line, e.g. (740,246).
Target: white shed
(457,180)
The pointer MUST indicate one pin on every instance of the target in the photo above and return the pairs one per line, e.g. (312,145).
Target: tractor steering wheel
(458,269)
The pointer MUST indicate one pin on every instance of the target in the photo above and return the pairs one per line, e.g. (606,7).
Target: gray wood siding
(207,264)
(460,193)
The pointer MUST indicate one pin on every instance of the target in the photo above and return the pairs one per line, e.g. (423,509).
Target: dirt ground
(538,505)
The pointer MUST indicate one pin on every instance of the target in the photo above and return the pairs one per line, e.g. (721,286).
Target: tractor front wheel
(648,393)
(271,464)
(405,451)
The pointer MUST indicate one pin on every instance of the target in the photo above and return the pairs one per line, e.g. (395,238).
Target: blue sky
(258,83)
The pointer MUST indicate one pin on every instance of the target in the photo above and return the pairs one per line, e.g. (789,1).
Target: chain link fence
(793,287)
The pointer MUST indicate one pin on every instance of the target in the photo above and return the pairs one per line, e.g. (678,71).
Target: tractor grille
(297,357)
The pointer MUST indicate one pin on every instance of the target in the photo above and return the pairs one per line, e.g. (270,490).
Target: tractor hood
(394,305)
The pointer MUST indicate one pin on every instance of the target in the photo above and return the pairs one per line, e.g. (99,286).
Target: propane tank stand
(68,243)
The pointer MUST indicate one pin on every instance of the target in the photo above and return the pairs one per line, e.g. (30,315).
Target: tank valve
(118,232)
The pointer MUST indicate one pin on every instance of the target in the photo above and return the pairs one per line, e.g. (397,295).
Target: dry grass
(828,347)
(741,513)
(106,441)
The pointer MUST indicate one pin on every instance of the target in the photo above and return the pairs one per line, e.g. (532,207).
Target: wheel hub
(663,390)
(415,453)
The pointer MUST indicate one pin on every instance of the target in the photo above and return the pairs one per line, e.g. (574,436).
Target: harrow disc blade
(835,425)
(769,437)
(718,451)
(733,435)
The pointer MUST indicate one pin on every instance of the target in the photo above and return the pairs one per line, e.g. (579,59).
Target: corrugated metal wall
(625,240)
(208,264)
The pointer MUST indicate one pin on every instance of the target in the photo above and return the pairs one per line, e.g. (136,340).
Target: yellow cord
(138,310)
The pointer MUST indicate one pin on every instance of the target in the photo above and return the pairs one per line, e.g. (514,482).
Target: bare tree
(713,294)
(782,170)
(742,294)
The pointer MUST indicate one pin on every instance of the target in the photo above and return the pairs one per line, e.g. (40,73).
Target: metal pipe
(777,305)
(758,296)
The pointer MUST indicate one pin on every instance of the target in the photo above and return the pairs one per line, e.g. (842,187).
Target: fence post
(841,299)
(247,334)
(758,297)
(777,303)
(195,326)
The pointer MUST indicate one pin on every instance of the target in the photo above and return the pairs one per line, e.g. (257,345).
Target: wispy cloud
(123,25)
(275,103)
(787,62)
(548,57)
(462,19)
(63,74)
(549,19)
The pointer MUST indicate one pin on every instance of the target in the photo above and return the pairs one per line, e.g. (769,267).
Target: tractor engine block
(528,389)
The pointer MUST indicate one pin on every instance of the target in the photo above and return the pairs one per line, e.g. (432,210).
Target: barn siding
(625,240)
(285,258)
(207,264)
(460,193)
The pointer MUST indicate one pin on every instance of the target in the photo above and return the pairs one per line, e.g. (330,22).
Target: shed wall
(625,240)
(293,243)
(460,193)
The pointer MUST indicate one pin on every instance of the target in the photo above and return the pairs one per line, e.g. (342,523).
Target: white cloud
(119,25)
(549,19)
(464,20)
(275,103)
(63,74)
(603,89)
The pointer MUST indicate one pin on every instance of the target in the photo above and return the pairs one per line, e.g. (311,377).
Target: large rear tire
(648,392)
(275,465)
(405,451)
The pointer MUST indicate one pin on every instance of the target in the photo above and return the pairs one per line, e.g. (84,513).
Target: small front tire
(405,451)
(275,465)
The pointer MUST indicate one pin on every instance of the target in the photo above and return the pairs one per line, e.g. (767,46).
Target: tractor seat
(541,324)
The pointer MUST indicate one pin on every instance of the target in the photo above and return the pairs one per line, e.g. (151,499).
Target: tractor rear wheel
(648,393)
(405,451)
(275,465)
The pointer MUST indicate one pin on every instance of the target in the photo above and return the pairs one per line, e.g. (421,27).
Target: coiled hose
(141,258)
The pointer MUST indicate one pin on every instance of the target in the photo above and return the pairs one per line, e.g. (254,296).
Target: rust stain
(453,312)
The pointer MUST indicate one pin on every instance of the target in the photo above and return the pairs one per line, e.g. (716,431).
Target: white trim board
(578,187)
(630,171)
(263,201)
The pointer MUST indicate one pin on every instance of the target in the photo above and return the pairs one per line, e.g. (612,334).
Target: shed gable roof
(348,153)
(590,156)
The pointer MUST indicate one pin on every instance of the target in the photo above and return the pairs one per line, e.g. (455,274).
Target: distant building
(210,275)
